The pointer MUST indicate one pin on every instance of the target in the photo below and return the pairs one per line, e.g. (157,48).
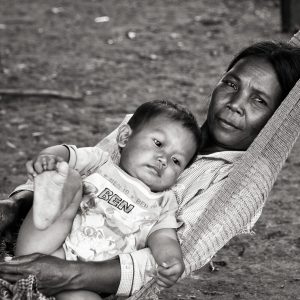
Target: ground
(142,50)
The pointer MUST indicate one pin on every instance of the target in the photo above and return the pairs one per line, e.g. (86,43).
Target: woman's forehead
(259,73)
(252,65)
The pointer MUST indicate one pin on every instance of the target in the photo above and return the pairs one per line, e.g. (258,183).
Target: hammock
(241,199)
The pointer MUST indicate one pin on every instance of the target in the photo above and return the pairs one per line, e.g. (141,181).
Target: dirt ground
(118,54)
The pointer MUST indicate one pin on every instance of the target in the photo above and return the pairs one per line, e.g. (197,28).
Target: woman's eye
(176,161)
(157,143)
(260,101)
(230,84)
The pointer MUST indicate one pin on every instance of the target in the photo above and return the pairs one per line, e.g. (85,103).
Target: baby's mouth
(156,170)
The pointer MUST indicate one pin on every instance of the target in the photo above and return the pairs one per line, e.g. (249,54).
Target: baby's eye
(157,143)
(176,161)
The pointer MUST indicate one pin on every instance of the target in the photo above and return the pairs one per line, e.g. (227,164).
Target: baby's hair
(175,112)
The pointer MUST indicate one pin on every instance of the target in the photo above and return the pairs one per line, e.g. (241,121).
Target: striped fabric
(239,202)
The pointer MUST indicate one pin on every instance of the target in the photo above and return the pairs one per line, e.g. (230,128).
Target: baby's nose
(163,161)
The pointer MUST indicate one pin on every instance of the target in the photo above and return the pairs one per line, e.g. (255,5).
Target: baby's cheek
(173,177)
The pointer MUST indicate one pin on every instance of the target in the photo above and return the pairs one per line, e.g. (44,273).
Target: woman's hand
(53,274)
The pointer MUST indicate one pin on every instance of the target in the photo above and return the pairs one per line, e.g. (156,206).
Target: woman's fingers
(51,272)
(10,270)
(19,265)
(12,278)
(17,268)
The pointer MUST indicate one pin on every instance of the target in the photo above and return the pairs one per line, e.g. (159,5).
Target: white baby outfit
(117,213)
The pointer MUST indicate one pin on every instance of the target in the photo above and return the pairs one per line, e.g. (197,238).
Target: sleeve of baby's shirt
(167,218)
(109,143)
(87,159)
(137,268)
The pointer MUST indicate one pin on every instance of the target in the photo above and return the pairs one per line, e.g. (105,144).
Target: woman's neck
(208,145)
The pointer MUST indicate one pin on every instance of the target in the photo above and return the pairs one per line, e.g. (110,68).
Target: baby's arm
(85,160)
(46,160)
(167,254)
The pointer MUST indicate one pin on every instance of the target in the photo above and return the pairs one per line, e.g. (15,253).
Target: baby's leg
(60,253)
(77,295)
(31,239)
(53,192)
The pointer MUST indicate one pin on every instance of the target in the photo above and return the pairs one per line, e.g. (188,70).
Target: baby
(88,208)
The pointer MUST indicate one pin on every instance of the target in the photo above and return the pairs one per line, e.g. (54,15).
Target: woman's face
(241,104)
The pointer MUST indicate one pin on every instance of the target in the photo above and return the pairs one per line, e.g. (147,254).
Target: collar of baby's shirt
(138,184)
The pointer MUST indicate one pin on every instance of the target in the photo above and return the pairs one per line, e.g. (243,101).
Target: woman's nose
(237,103)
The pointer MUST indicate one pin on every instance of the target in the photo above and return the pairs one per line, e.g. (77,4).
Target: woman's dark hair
(284,58)
(175,112)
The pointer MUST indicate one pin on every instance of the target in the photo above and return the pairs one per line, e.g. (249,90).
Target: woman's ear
(123,135)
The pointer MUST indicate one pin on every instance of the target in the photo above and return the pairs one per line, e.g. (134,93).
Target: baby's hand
(44,162)
(169,272)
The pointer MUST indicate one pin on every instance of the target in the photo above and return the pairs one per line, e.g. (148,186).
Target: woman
(253,86)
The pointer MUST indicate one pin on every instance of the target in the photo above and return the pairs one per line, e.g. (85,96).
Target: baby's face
(158,152)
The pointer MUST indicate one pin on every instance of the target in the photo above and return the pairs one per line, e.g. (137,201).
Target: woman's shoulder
(206,170)
(211,163)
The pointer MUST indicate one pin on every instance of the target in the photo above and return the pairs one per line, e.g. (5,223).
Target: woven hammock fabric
(239,203)
(23,289)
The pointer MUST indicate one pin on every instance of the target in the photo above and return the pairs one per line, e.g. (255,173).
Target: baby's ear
(123,135)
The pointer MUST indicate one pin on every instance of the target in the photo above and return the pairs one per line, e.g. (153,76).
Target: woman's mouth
(227,124)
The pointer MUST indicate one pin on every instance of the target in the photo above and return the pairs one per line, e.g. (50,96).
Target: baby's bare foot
(53,193)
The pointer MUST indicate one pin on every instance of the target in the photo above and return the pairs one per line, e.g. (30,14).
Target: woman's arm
(123,275)
(55,275)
